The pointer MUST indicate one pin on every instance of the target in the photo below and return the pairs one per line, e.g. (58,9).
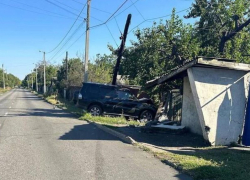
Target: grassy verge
(4,90)
(220,163)
(107,120)
(64,104)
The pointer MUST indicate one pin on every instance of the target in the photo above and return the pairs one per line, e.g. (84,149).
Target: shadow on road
(87,132)
(40,112)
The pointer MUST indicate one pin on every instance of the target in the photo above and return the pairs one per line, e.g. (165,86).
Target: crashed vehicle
(99,99)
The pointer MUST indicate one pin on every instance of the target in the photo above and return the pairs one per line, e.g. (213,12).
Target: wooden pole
(120,52)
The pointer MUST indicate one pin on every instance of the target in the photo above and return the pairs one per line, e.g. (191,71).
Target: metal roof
(205,62)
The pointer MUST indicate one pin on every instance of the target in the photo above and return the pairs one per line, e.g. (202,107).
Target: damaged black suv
(101,99)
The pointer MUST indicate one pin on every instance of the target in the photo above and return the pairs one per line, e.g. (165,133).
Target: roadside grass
(219,163)
(64,104)
(107,120)
(4,90)
(209,163)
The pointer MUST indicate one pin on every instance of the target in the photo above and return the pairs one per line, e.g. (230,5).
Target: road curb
(115,133)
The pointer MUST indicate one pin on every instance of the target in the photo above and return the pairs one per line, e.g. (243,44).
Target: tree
(223,27)
(157,50)
(101,70)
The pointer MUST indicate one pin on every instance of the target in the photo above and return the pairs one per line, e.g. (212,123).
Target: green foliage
(75,73)
(10,80)
(101,70)
(51,72)
(219,19)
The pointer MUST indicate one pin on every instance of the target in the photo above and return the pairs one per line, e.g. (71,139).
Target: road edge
(115,133)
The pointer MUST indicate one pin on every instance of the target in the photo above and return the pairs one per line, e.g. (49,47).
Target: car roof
(100,84)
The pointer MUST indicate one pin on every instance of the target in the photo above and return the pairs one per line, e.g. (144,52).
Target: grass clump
(109,120)
(220,163)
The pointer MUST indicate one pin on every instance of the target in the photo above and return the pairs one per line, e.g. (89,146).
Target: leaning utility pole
(87,44)
(120,51)
(3,78)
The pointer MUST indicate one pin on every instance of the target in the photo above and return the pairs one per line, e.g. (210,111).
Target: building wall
(190,117)
(221,98)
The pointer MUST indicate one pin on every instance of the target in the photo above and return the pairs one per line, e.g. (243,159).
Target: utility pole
(86,72)
(32,79)
(120,51)
(44,72)
(3,78)
(6,75)
(67,78)
(36,80)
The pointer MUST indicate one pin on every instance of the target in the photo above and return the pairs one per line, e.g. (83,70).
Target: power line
(117,25)
(31,10)
(69,29)
(111,34)
(76,9)
(38,8)
(137,10)
(92,7)
(127,8)
(73,43)
(76,30)
(62,8)
(150,19)
(110,16)
(66,5)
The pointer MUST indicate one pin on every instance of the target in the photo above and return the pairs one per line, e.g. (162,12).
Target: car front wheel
(146,115)
(95,110)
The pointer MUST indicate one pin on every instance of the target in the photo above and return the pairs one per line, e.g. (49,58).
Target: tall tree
(223,27)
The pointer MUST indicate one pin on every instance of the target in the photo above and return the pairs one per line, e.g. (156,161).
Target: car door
(127,103)
(111,102)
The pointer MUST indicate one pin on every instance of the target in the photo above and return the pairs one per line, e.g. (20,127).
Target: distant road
(39,142)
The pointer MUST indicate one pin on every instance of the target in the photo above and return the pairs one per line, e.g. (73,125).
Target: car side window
(125,95)
(111,94)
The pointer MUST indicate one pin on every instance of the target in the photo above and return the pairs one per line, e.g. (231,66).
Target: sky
(30,26)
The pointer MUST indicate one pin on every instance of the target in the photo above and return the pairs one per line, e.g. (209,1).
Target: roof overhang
(181,71)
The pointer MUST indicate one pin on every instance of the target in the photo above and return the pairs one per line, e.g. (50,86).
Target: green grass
(218,163)
(106,120)
(64,104)
(4,90)
(109,120)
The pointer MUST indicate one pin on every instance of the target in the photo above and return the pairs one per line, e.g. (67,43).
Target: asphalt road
(39,142)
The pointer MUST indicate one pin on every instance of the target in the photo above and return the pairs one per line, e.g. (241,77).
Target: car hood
(145,100)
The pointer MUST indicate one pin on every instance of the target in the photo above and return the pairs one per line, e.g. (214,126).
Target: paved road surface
(39,142)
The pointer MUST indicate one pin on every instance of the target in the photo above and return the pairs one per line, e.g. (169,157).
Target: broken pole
(120,51)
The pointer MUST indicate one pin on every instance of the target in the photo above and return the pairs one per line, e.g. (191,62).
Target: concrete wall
(189,116)
(220,98)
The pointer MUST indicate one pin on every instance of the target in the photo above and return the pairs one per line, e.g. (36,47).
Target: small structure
(215,92)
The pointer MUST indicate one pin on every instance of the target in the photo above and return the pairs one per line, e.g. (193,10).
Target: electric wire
(76,9)
(137,9)
(150,19)
(32,11)
(37,8)
(110,16)
(76,30)
(68,30)
(111,35)
(92,7)
(62,8)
